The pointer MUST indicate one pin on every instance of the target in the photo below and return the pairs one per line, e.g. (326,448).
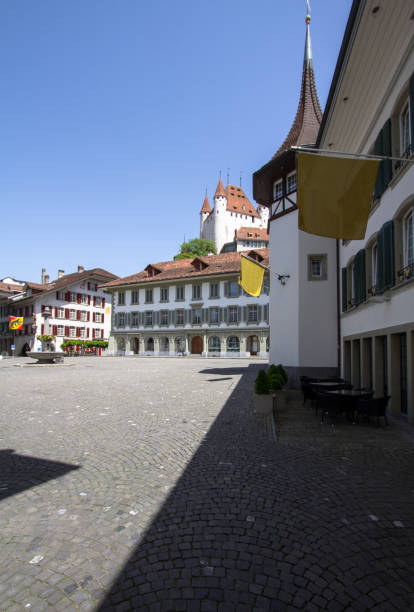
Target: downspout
(338,310)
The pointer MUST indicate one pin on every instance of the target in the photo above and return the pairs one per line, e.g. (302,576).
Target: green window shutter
(359,271)
(226,289)
(344,290)
(259,313)
(387,150)
(224,313)
(266,313)
(388,254)
(155,317)
(204,314)
(171,317)
(412,109)
(239,313)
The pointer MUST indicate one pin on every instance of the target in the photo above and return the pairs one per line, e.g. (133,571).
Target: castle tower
(220,206)
(304,343)
(204,213)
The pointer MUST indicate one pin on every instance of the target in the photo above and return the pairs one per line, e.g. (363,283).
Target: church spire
(309,114)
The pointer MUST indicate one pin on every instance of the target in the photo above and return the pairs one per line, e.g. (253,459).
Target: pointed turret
(206,208)
(309,115)
(220,190)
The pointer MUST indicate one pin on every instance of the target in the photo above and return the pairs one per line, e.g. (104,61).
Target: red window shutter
(66,331)
(103,318)
(43,307)
(67,313)
(78,315)
(89,316)
(87,332)
(89,286)
(78,298)
(78,331)
(42,329)
(103,302)
(94,300)
(56,312)
(54,330)
(89,299)
(93,317)
(57,295)
(102,333)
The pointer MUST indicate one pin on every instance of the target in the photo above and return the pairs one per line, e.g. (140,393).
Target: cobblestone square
(149,484)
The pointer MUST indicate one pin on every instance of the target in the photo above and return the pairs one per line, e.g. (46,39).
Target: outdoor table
(327,385)
(348,399)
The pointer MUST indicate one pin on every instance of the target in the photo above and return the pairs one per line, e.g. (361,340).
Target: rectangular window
(164,317)
(121,319)
(252,313)
(316,268)
(179,293)
(98,300)
(121,298)
(73,297)
(83,332)
(72,332)
(179,317)
(277,190)
(233,314)
(135,319)
(97,333)
(405,130)
(214,290)
(60,330)
(61,313)
(196,292)
(291,183)
(135,296)
(98,317)
(214,315)
(148,296)
(84,315)
(408,239)
(148,317)
(72,314)
(234,289)
(164,294)
(196,316)
(84,299)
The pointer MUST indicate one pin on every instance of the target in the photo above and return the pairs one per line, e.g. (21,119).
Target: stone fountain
(48,354)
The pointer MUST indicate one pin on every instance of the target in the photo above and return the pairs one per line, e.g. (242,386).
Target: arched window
(214,344)
(150,345)
(180,345)
(233,344)
(164,345)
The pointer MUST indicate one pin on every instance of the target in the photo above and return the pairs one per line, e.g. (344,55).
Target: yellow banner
(251,276)
(335,195)
(15,322)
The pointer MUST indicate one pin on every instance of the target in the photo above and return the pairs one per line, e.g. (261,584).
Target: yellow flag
(15,322)
(335,195)
(251,276)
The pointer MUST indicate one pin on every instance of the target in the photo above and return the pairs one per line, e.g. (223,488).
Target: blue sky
(117,115)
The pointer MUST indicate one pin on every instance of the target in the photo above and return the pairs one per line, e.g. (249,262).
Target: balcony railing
(406,272)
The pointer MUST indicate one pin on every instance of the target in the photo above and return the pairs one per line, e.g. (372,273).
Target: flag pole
(353,155)
(280,277)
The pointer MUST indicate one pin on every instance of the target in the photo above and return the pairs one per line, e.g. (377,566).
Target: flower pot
(262,404)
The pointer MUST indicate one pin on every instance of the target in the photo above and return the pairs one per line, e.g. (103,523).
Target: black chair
(377,407)
(327,405)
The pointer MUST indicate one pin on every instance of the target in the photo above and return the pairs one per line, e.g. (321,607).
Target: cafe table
(348,399)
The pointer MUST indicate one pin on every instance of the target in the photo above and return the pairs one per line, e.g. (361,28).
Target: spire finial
(308,13)
(308,48)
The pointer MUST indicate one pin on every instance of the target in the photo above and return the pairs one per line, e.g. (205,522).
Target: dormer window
(198,264)
(277,190)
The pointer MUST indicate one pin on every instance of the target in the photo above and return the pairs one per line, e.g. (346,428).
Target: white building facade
(370,109)
(190,307)
(73,307)
(231,212)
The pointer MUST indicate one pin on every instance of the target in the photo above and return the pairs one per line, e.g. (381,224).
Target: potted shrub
(262,401)
(278,383)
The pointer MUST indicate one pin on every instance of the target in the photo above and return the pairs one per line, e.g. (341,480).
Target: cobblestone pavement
(149,484)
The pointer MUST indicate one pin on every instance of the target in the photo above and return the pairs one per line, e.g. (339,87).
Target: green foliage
(85,343)
(282,373)
(46,338)
(261,385)
(275,381)
(272,370)
(197,247)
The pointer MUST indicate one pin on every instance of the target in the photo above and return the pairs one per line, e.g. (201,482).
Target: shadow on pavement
(227,371)
(20,472)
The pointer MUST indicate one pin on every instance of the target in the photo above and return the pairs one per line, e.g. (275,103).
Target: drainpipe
(338,304)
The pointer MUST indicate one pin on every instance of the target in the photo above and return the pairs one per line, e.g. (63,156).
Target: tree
(197,247)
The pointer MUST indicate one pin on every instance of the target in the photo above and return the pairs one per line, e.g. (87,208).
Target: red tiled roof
(10,288)
(244,233)
(224,263)
(220,189)
(206,205)
(238,202)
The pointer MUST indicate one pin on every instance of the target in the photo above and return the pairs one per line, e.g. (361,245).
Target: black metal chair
(327,405)
(377,407)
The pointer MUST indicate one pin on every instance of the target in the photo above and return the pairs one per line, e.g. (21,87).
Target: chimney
(61,273)
(43,275)
(47,279)
(81,269)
